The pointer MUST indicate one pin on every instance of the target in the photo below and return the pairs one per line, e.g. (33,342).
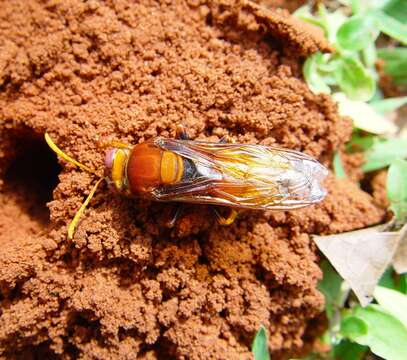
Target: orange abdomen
(149,167)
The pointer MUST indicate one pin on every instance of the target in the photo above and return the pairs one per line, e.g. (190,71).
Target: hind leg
(226,220)
(233,213)
(175,215)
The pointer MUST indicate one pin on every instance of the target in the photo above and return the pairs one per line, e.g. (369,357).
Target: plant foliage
(350,75)
(260,348)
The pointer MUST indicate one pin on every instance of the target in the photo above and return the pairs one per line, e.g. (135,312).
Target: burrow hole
(31,175)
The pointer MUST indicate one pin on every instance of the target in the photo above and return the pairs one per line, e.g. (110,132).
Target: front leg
(114,144)
(180,132)
(226,139)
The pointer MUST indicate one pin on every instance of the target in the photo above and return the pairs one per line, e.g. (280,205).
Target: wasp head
(115,168)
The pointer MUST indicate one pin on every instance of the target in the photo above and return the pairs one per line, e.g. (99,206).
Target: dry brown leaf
(400,257)
(362,256)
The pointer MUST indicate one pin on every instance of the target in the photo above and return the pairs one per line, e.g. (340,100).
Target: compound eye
(110,154)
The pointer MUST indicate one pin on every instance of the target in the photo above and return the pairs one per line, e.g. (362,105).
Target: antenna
(72,225)
(66,157)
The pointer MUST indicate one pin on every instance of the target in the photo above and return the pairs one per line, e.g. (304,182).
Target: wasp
(239,176)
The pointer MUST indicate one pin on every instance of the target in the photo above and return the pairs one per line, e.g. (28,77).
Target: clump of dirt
(126,286)
(352,164)
(290,5)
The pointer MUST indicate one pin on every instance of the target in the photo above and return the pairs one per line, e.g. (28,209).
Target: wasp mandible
(239,176)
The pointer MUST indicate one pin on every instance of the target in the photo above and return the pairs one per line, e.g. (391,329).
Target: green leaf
(354,80)
(353,326)
(347,350)
(397,9)
(337,165)
(397,188)
(331,287)
(304,13)
(387,279)
(361,6)
(360,142)
(312,76)
(394,281)
(403,283)
(332,22)
(393,301)
(357,32)
(260,345)
(386,334)
(388,105)
(357,6)
(395,63)
(369,54)
(383,153)
(378,95)
(363,116)
(391,27)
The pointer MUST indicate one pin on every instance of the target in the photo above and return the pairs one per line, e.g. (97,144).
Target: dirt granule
(290,5)
(126,286)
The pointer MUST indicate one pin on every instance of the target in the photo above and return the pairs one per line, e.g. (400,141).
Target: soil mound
(126,286)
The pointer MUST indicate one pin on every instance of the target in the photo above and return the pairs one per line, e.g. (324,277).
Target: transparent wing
(244,176)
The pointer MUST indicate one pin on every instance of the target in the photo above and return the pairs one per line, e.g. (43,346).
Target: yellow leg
(225,221)
(226,140)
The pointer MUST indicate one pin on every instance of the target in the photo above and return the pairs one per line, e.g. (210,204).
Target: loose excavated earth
(126,286)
